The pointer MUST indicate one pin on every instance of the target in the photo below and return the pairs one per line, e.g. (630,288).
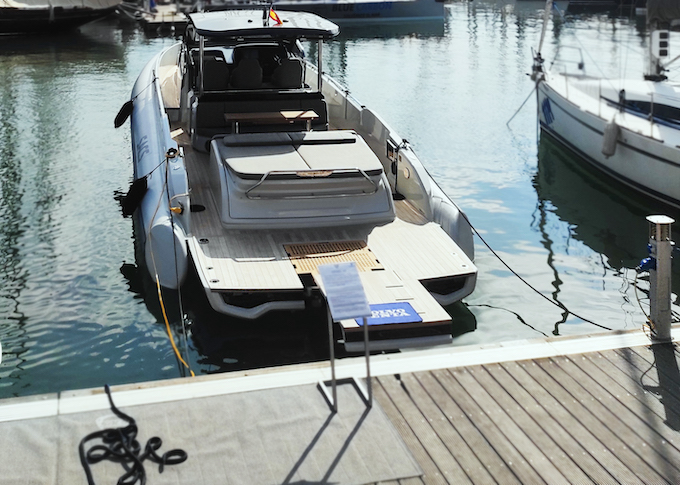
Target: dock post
(331,348)
(366,394)
(660,248)
(369,399)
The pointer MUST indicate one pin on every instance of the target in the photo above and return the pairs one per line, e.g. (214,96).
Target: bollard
(660,248)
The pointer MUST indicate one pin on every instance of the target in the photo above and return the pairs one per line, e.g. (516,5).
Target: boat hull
(164,232)
(17,21)
(645,157)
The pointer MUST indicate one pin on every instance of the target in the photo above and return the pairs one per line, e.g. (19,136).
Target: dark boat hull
(43,20)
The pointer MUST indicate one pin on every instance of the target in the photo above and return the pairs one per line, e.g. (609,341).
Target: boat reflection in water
(606,216)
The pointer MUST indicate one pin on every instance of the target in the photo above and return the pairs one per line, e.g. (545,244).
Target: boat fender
(130,201)
(610,138)
(123,114)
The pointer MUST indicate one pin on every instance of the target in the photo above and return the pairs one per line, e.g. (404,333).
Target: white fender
(610,138)
(165,252)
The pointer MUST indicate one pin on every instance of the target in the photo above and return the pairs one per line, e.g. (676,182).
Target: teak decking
(602,417)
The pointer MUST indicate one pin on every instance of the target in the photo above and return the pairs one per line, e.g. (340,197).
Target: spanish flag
(274,16)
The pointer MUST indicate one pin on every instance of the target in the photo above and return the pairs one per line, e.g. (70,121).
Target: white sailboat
(628,128)
(257,168)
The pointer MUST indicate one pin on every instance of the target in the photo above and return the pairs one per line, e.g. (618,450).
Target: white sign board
(344,291)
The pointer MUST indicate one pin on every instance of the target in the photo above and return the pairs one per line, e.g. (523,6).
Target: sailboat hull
(645,154)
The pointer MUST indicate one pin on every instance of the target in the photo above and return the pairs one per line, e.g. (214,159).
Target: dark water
(75,312)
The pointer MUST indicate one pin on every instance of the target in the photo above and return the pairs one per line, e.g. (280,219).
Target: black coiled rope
(121,446)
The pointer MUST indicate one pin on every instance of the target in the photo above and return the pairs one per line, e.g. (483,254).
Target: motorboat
(31,16)
(628,128)
(252,168)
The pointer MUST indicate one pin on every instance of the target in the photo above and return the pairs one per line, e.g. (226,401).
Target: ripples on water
(74,311)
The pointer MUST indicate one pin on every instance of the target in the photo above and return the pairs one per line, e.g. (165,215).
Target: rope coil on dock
(120,445)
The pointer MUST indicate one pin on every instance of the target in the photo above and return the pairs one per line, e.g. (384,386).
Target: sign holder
(346,299)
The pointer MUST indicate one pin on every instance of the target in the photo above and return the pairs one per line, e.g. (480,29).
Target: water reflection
(591,208)
(393,30)
(75,309)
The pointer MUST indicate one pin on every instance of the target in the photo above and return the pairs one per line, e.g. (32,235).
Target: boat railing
(312,192)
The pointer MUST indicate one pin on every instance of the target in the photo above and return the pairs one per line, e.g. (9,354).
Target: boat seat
(208,115)
(287,180)
(215,74)
(252,155)
(247,75)
(288,74)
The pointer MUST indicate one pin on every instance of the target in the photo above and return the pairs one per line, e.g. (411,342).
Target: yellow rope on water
(158,286)
(167,327)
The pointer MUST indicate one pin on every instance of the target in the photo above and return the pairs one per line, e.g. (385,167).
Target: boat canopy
(258,24)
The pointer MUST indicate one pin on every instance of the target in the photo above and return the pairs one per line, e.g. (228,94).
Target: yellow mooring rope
(158,283)
(167,327)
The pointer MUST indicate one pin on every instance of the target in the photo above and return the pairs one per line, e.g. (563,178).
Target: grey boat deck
(609,415)
(408,250)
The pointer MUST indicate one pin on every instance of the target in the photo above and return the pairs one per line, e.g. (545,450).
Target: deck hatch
(306,257)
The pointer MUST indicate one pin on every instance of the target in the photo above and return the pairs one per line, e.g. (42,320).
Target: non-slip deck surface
(268,437)
(603,417)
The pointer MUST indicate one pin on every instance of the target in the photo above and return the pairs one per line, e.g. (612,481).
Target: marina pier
(597,409)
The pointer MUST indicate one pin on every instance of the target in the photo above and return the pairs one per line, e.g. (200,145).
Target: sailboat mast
(546,17)
(537,68)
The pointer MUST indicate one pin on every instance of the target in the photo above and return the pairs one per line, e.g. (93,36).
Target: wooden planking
(441,457)
(500,445)
(637,434)
(490,460)
(551,455)
(625,396)
(620,380)
(420,387)
(556,404)
(526,392)
(408,213)
(578,419)
(401,423)
(598,420)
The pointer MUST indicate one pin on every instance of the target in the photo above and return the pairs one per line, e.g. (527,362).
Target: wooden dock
(599,409)
(600,417)
(166,17)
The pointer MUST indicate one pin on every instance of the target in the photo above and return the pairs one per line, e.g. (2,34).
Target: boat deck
(405,251)
(596,409)
(165,17)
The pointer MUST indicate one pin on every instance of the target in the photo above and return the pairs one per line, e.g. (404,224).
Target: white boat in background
(628,128)
(256,168)
(39,16)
